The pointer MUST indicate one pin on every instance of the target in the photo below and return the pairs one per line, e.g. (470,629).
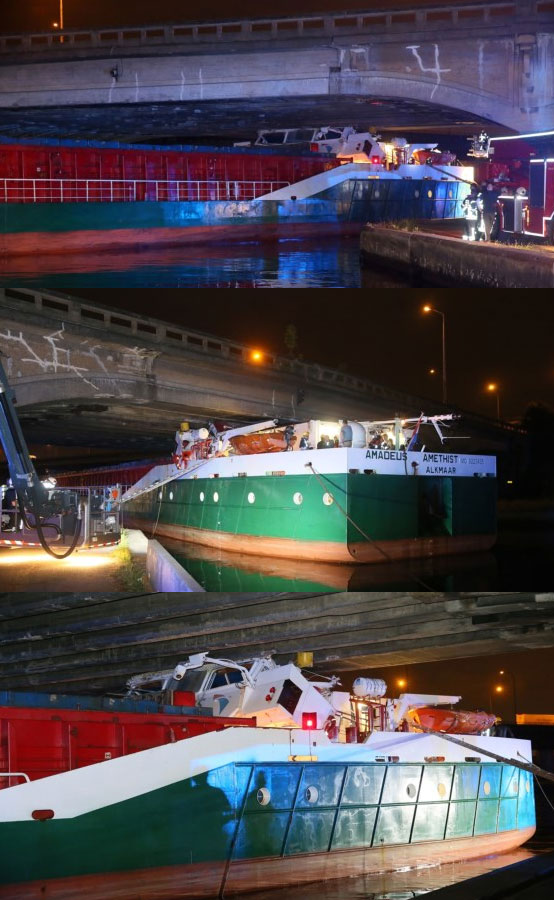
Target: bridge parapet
(473,16)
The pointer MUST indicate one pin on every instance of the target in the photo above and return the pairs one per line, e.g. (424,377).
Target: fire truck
(531,213)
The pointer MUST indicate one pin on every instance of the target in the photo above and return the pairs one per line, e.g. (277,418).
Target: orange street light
(432,371)
(494,388)
(431,309)
(401,682)
(256,356)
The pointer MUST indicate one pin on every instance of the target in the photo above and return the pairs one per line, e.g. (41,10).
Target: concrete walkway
(112,569)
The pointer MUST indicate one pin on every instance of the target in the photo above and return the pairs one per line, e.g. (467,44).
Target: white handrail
(15,775)
(119,190)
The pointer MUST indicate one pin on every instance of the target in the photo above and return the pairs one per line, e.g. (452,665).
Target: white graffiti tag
(436,69)
(57,360)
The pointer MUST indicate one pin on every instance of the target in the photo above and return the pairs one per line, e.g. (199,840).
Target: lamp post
(504,672)
(431,309)
(59,23)
(494,388)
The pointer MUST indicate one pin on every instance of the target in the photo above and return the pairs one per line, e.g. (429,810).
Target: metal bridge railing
(463,15)
(106,190)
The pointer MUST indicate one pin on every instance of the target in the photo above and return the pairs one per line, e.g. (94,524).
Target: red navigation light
(314,148)
(375,160)
(309,721)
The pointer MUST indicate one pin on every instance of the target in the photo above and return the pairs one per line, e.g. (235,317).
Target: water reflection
(396,885)
(329,262)
(521,560)
(218,570)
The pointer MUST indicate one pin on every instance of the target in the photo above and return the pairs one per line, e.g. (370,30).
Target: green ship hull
(243,826)
(343,517)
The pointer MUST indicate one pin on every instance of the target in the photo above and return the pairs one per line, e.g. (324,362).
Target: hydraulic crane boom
(32,497)
(25,480)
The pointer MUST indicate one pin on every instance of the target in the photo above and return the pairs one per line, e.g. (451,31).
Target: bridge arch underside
(233,119)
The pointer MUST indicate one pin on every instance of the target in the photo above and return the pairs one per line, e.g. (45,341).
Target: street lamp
(256,356)
(401,682)
(494,388)
(431,309)
(514,692)
(498,690)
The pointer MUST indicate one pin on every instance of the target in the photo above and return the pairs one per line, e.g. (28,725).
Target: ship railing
(10,775)
(109,190)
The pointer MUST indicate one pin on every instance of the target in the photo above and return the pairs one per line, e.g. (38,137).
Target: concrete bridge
(86,374)
(81,643)
(457,64)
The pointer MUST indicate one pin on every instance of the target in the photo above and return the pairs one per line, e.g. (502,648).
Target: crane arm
(22,471)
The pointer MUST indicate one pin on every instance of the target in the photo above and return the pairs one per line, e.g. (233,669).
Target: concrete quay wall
(448,260)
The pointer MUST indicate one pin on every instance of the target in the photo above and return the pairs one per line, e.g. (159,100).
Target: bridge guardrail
(106,190)
(84,313)
(335,24)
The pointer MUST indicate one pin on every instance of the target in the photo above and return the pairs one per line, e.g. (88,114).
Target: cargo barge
(272,492)
(62,197)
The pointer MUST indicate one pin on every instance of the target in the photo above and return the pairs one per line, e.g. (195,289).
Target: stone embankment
(450,261)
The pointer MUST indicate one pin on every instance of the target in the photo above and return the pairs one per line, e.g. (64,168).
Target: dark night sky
(38,15)
(474,679)
(501,336)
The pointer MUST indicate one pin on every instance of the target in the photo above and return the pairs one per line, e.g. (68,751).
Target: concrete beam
(96,647)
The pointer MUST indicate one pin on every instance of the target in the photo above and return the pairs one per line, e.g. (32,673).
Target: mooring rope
(367,537)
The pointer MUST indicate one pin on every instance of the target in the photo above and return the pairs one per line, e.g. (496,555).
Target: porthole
(216,497)
(527,787)
(450,193)
(160,495)
(514,785)
(298,498)
(430,194)
(376,193)
(486,788)
(171,495)
(202,496)
(263,796)
(251,497)
(411,790)
(416,193)
(441,789)
(327,499)
(311,794)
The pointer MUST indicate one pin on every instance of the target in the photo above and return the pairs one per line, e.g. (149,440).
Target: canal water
(284,264)
(520,561)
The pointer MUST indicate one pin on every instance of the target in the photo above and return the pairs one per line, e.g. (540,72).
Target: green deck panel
(363,784)
(466,783)
(261,834)
(489,785)
(402,784)
(394,825)
(310,831)
(526,801)
(329,783)
(507,815)
(436,784)
(354,827)
(461,818)
(486,818)
(430,822)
